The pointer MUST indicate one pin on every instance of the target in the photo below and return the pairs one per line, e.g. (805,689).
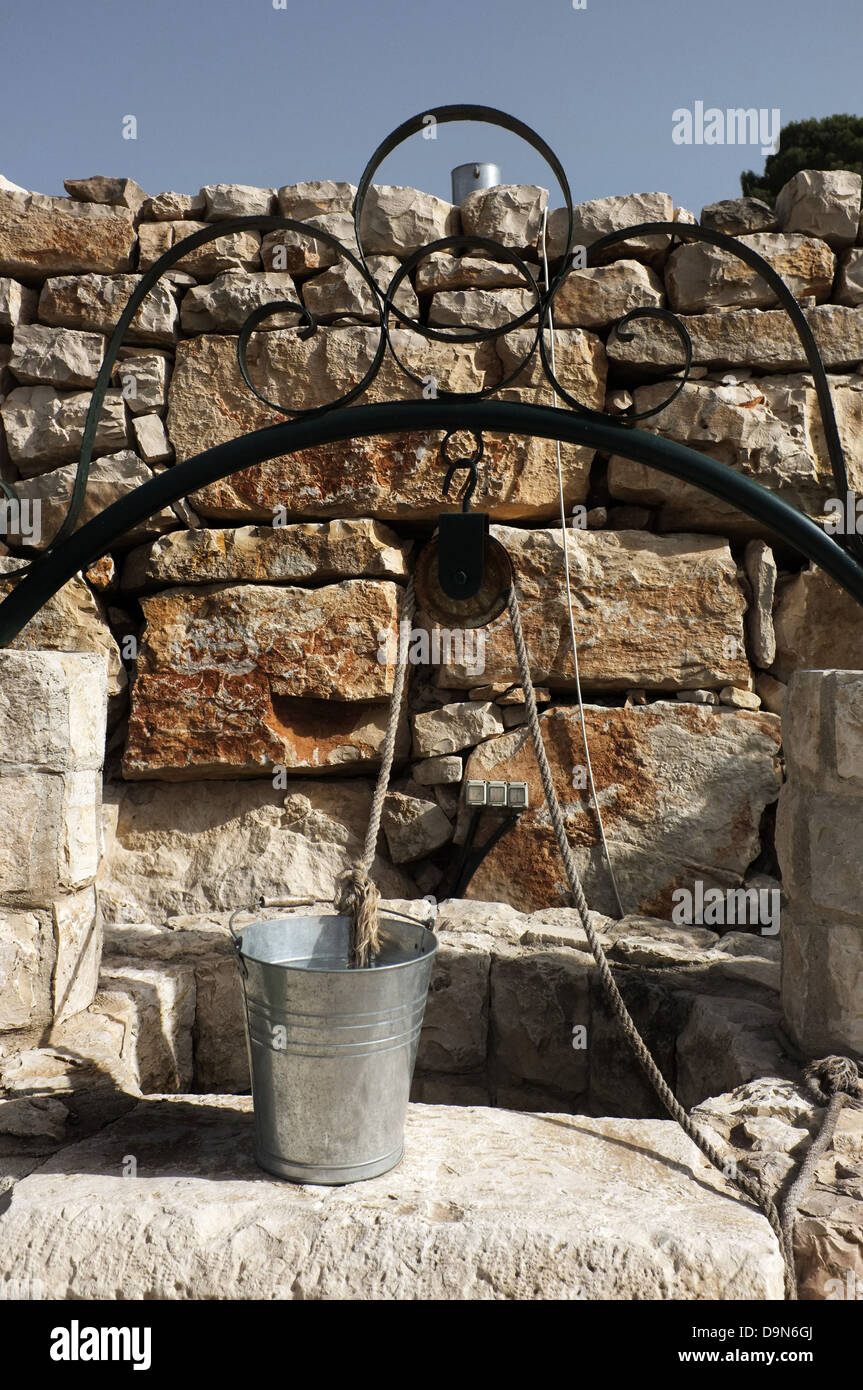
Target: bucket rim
(429,940)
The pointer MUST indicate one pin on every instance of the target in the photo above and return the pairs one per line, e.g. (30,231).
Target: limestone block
(597,296)
(725,1043)
(151,441)
(761,572)
(398,221)
(268,658)
(453,727)
(414,827)
(387,478)
(51,834)
(52,709)
(768,428)
(737,216)
(224,200)
(301,201)
(110,478)
(523,1209)
(817,626)
(699,276)
(168,849)
(223,305)
(94,303)
(536,1001)
(479,308)
(221,1058)
(600,216)
(342,292)
(508,213)
(764,340)
(27,956)
(143,380)
(305,553)
(169,207)
(443,271)
(78,934)
(234,249)
(702,822)
(72,620)
(651,612)
(823,203)
(849,281)
(440,771)
(300,252)
(17,303)
(454,1036)
(164,1000)
(101,188)
(60,357)
(41,236)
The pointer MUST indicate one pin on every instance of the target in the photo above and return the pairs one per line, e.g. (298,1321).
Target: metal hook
(470,465)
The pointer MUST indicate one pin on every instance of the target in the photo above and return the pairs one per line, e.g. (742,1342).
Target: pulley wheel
(482,607)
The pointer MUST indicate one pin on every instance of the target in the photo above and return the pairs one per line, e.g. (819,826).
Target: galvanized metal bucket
(332,1050)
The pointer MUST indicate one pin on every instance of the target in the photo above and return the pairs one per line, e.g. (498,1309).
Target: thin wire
(563,526)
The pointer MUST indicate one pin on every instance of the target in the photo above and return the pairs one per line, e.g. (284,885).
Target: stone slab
(485,1205)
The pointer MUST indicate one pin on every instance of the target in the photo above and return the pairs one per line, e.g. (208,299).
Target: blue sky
(239,91)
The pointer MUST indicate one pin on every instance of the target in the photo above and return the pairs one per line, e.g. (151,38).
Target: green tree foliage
(835,142)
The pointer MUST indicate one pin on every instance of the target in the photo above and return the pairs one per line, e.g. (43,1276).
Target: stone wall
(52,731)
(248,629)
(818,841)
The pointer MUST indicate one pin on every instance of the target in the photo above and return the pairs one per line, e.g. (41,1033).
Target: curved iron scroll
(70,550)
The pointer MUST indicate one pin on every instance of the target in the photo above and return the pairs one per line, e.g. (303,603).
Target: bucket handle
(303,902)
(238,940)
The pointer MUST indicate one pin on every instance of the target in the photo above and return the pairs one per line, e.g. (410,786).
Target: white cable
(564,531)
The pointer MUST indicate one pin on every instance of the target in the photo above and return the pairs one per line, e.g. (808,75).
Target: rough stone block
(223,305)
(305,553)
(398,221)
(523,1209)
(72,620)
(700,277)
(52,709)
(536,1002)
(703,824)
(17,303)
(94,303)
(168,849)
(78,933)
(45,427)
(650,612)
(164,1000)
(27,956)
(60,357)
(599,216)
(259,651)
(508,213)
(41,236)
(597,296)
(823,203)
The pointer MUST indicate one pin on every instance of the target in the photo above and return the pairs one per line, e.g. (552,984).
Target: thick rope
(831,1080)
(362,897)
(724,1161)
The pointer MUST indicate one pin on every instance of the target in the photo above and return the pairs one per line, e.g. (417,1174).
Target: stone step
(168,1203)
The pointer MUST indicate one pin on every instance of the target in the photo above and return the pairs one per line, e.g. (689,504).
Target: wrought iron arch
(72,550)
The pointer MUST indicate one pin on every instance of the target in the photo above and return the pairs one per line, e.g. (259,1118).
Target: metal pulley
(463,575)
